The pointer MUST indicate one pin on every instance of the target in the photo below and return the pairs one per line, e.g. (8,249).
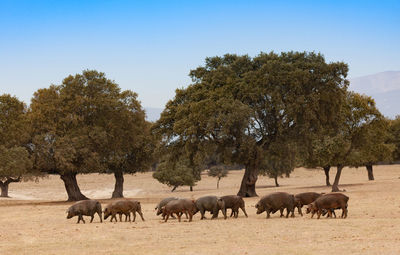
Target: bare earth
(34,221)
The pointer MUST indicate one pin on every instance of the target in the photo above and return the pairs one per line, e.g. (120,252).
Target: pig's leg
(141,215)
(134,216)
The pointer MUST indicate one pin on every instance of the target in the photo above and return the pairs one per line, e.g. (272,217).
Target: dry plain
(33,220)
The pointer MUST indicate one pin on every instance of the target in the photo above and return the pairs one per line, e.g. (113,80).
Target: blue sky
(150,46)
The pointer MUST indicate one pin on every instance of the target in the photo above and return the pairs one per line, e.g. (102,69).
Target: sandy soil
(33,220)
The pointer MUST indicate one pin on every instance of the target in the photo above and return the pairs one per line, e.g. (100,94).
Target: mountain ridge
(383,87)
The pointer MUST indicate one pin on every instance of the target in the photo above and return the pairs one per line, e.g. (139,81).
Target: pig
(329,202)
(305,198)
(163,203)
(234,202)
(179,206)
(123,207)
(325,212)
(85,207)
(136,208)
(276,201)
(212,204)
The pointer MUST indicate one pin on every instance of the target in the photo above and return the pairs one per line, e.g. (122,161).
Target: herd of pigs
(319,203)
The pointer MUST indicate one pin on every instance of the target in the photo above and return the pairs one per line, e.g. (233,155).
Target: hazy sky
(150,46)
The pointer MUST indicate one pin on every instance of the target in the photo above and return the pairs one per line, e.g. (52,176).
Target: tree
(129,145)
(352,144)
(219,172)
(273,166)
(175,173)
(394,138)
(376,147)
(15,162)
(243,105)
(87,125)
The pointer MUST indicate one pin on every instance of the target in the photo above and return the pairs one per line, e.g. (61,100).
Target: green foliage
(394,129)
(175,174)
(87,124)
(376,146)
(14,128)
(15,160)
(360,139)
(239,106)
(273,164)
(218,171)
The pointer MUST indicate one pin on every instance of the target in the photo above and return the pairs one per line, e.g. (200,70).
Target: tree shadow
(269,186)
(329,187)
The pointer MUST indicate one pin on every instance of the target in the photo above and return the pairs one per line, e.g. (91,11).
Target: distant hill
(152,113)
(383,87)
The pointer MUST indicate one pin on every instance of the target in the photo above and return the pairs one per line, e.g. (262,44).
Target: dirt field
(34,221)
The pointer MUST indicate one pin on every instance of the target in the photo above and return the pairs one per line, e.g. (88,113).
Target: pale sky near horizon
(150,46)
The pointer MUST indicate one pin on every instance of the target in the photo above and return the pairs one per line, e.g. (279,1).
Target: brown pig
(329,202)
(305,198)
(123,207)
(179,207)
(276,201)
(234,202)
(85,207)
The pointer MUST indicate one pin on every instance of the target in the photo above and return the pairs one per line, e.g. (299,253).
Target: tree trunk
(370,172)
(174,188)
(335,186)
(248,186)
(191,188)
(72,188)
(218,183)
(119,185)
(326,170)
(4,186)
(276,181)
(4,189)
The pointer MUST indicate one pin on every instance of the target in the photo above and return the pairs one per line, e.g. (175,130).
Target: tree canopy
(394,128)
(241,106)
(88,125)
(15,162)
(359,140)
(219,172)
(175,173)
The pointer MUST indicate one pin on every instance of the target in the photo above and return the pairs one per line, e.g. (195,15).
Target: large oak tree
(88,125)
(240,107)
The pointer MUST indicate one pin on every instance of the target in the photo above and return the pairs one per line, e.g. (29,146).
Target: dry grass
(33,222)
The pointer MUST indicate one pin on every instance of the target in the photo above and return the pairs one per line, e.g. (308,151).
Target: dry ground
(33,221)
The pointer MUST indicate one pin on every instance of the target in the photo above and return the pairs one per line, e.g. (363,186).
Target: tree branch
(10,180)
